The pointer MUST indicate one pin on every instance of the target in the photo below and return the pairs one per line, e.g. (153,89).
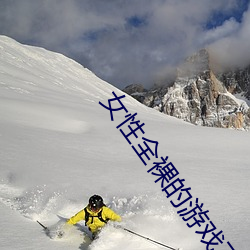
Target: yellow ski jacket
(94,223)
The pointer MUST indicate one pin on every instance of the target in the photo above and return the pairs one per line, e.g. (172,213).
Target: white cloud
(233,49)
(228,28)
(97,32)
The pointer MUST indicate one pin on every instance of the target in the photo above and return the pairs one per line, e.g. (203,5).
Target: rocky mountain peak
(200,96)
(196,64)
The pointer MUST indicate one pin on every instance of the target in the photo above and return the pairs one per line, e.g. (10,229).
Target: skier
(95,214)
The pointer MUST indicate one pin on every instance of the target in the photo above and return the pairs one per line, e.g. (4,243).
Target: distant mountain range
(202,94)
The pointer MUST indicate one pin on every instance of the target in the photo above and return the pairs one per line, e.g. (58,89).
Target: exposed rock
(237,81)
(137,91)
(201,97)
(134,88)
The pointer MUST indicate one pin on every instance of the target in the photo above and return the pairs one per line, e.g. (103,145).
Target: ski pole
(149,239)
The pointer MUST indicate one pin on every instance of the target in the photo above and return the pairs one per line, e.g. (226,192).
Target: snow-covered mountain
(58,146)
(201,95)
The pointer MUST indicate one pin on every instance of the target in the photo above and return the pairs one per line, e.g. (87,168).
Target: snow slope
(59,146)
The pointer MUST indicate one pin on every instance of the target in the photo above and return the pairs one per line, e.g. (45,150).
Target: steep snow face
(59,146)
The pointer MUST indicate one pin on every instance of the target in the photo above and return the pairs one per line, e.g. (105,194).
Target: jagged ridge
(201,96)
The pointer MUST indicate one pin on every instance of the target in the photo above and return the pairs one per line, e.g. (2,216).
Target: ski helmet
(96,202)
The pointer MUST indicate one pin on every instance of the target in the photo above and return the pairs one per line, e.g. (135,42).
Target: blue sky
(131,41)
(218,17)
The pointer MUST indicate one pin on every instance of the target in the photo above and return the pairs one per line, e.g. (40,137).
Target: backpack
(99,216)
